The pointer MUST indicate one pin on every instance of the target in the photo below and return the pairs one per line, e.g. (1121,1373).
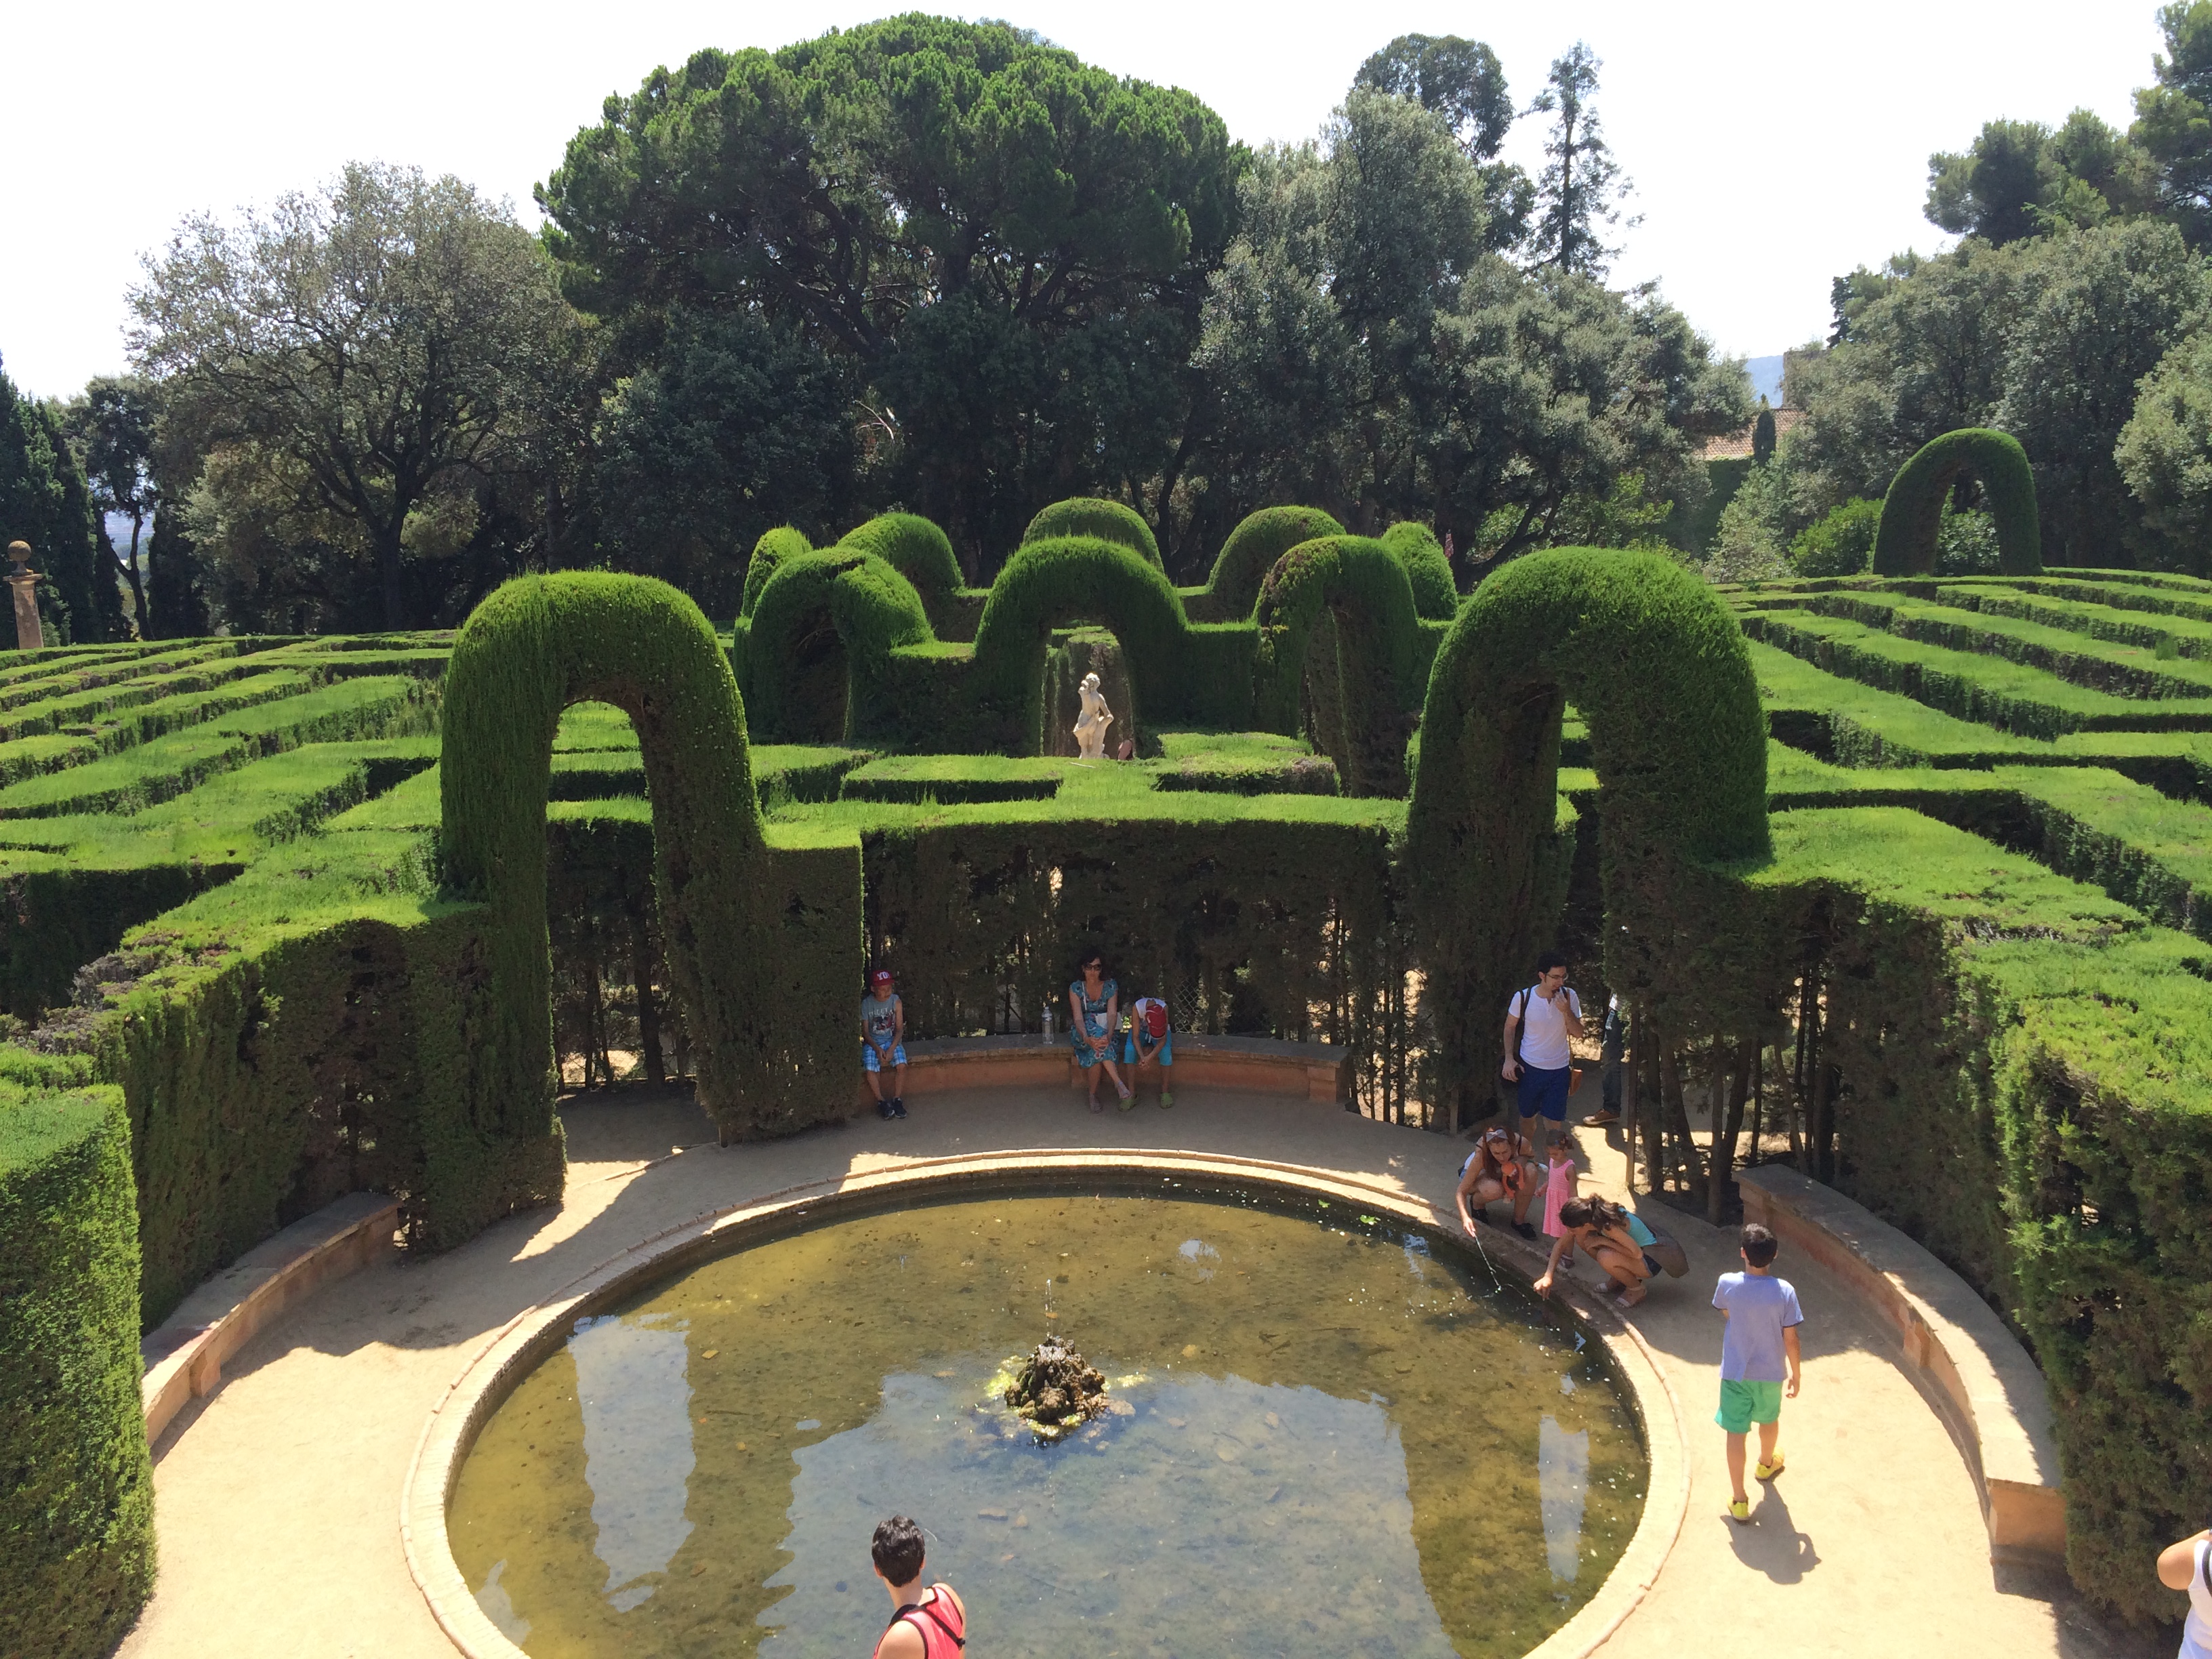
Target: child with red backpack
(1149,1039)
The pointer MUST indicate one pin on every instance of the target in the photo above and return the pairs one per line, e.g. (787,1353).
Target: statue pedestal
(29,637)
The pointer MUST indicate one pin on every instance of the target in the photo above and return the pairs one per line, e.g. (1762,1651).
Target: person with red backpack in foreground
(928,1624)
(1149,1039)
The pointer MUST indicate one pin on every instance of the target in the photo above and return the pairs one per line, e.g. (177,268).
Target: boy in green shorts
(1758,1358)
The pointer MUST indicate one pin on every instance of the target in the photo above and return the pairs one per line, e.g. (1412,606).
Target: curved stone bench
(1309,1071)
(183,1354)
(1971,1369)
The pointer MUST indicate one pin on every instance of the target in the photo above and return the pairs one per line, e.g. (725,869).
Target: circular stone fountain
(1321,1426)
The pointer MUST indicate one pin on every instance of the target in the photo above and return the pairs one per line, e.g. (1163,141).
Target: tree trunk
(137,584)
(1725,1140)
(648,1008)
(387,570)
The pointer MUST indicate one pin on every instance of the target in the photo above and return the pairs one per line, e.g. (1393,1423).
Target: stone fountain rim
(508,1354)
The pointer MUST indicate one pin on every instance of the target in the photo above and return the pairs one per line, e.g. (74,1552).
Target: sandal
(1094,1106)
(1128,1099)
(1630,1295)
(1768,1471)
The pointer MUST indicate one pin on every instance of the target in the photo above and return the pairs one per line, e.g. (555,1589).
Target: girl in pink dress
(1560,1183)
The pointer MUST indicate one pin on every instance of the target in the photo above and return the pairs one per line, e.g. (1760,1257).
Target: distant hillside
(1767,378)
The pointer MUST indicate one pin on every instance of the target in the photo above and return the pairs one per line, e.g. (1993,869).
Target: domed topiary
(1089,515)
(774,547)
(916,548)
(1435,597)
(1252,548)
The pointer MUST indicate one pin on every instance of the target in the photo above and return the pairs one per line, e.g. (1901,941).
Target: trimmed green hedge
(1435,597)
(816,657)
(918,550)
(1657,666)
(77,1486)
(1089,515)
(763,950)
(1913,511)
(769,552)
(1361,710)
(1250,554)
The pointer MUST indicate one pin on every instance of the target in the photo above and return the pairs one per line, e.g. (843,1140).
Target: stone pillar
(24,579)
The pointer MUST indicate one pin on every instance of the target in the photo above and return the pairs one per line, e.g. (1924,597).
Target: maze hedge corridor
(1906,879)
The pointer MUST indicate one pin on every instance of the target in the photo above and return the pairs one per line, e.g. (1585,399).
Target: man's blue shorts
(869,1060)
(1543,1094)
(1165,1051)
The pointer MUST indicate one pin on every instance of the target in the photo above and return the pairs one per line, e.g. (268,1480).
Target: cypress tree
(1762,436)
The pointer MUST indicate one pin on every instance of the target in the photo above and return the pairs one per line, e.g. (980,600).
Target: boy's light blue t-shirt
(1759,1308)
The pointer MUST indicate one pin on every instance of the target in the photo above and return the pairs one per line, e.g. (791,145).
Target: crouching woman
(1601,1230)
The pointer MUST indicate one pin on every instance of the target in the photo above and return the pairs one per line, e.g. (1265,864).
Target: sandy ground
(278,1495)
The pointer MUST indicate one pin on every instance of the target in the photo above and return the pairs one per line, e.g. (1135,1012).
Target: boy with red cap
(882,1043)
(1149,1040)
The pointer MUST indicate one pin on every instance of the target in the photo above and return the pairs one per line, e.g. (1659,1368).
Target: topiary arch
(818,642)
(1435,596)
(1657,665)
(917,549)
(1913,511)
(764,950)
(774,547)
(1251,550)
(1361,708)
(1091,515)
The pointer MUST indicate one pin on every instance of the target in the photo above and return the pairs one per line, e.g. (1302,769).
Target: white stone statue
(1091,725)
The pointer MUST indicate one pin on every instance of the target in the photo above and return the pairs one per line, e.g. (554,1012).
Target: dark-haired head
(1091,959)
(1575,1212)
(897,1550)
(1758,1245)
(1550,960)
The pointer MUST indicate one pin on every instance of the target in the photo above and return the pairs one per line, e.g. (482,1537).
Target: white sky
(1773,143)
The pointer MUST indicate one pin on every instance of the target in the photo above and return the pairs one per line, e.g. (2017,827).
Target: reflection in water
(1327,1439)
(492,1598)
(636,1407)
(1203,1506)
(1562,1488)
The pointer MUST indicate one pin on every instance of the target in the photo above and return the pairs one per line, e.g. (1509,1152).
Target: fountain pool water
(1330,1433)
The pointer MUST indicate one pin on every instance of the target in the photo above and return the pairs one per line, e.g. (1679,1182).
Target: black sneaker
(898,1105)
(886,1110)
(1524,1230)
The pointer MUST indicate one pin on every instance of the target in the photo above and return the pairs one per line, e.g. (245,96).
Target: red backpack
(1155,1022)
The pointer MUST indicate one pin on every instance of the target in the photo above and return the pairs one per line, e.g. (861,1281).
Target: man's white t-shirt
(2197,1631)
(1543,1043)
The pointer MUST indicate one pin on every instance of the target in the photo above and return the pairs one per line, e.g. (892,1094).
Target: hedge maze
(1911,875)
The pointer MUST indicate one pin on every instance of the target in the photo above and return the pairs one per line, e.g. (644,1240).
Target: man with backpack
(1539,1022)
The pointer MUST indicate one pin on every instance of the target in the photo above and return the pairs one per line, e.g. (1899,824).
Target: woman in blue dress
(1094,1007)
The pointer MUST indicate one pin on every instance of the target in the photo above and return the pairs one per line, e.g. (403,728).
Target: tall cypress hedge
(76,1525)
(1360,586)
(763,950)
(1913,511)
(1089,515)
(1658,668)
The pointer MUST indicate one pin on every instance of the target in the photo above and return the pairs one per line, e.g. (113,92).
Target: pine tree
(1580,190)
(1762,436)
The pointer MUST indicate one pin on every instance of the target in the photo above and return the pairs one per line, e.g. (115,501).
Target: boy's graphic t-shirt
(876,1018)
(1759,1309)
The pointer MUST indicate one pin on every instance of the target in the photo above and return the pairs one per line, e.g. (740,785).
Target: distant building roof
(1736,446)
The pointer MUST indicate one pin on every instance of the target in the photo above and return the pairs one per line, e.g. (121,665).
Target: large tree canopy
(1012,243)
(353,366)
